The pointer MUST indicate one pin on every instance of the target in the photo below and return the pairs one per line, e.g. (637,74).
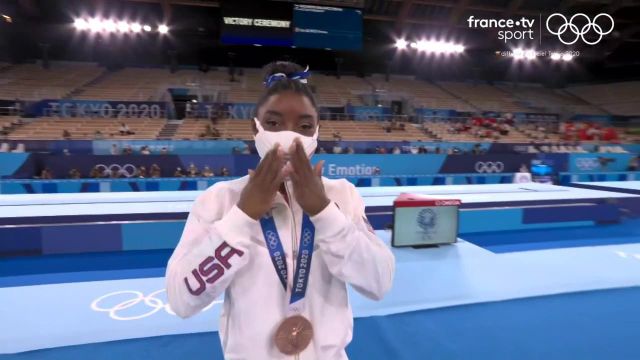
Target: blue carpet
(625,232)
(587,326)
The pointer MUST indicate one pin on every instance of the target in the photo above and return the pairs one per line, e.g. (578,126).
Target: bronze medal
(294,335)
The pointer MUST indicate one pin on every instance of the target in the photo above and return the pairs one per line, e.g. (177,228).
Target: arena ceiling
(195,30)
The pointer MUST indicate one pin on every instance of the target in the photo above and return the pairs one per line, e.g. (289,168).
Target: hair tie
(301,76)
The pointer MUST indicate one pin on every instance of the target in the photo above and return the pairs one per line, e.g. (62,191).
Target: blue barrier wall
(30,186)
(361,169)
(203,147)
(175,147)
(567,178)
(598,162)
(11,163)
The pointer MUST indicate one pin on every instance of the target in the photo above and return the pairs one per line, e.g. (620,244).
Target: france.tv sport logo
(596,26)
(568,30)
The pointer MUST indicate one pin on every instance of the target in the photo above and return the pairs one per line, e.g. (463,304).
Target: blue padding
(20,241)
(540,239)
(156,235)
(152,186)
(91,187)
(68,187)
(28,188)
(49,188)
(439,180)
(602,213)
(188,185)
(81,238)
(505,220)
(67,263)
(122,186)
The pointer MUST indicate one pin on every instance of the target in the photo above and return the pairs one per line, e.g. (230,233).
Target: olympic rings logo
(587,164)
(150,304)
(579,33)
(489,167)
(128,170)
(272,239)
(306,237)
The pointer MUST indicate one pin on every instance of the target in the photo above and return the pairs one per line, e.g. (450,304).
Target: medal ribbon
(278,258)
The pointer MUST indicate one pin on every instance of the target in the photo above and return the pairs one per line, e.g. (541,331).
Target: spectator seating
(617,98)
(7,121)
(550,100)
(422,94)
(333,92)
(84,128)
(368,130)
(229,129)
(445,130)
(484,96)
(349,130)
(32,82)
(137,84)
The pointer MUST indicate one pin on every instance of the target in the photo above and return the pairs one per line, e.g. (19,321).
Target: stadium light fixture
(555,56)
(432,46)
(95,25)
(146,28)
(401,44)
(81,24)
(109,25)
(422,45)
(163,29)
(567,57)
(136,28)
(123,26)
(522,54)
(530,54)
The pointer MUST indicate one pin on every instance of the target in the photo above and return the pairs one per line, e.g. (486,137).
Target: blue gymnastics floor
(594,325)
(459,274)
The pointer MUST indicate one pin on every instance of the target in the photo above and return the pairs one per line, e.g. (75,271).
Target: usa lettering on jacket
(209,271)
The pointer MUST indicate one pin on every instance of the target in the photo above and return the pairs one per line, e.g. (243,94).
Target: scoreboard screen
(244,23)
(327,27)
(284,24)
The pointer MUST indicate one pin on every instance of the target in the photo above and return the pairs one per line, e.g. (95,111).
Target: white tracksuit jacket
(223,250)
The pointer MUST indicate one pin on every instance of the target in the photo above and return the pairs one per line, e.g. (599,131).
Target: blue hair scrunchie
(301,76)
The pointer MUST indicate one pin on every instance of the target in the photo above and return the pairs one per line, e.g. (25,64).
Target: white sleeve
(352,250)
(213,247)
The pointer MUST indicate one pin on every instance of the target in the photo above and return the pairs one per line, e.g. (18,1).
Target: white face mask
(265,140)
